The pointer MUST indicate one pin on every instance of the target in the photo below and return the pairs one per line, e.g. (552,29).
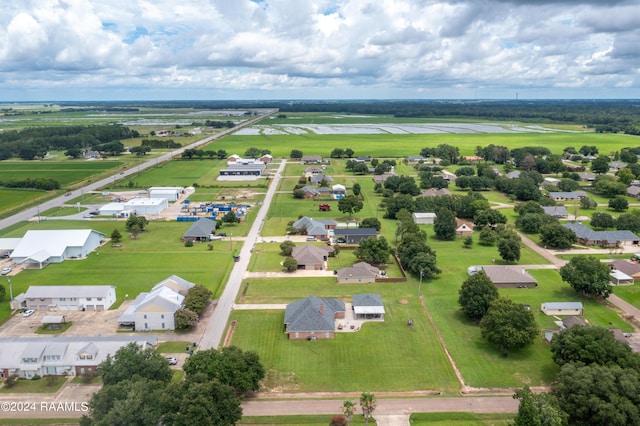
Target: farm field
(65,172)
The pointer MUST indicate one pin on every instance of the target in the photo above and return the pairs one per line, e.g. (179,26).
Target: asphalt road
(217,322)
(63,199)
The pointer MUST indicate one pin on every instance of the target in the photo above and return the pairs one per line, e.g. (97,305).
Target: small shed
(53,322)
(620,278)
(424,218)
(368,307)
(562,308)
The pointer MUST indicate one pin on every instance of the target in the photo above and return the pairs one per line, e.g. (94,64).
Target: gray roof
(513,175)
(309,254)
(508,275)
(366,299)
(432,192)
(555,210)
(359,270)
(582,232)
(320,177)
(571,195)
(562,305)
(203,227)
(356,231)
(572,321)
(633,190)
(312,314)
(313,226)
(55,291)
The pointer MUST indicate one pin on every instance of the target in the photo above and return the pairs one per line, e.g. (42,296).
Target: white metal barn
(171,193)
(40,247)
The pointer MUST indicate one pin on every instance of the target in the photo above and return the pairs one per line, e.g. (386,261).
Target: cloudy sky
(318,49)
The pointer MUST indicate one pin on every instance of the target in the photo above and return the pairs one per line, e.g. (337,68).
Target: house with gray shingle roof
(588,236)
(313,318)
(557,211)
(567,195)
(509,276)
(358,273)
(316,179)
(311,257)
(200,230)
(318,228)
(633,191)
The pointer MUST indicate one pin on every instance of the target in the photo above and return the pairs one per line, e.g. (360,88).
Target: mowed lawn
(65,172)
(12,198)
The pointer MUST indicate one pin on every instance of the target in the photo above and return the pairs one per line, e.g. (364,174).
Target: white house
(40,247)
(562,308)
(155,310)
(66,298)
(27,357)
(424,218)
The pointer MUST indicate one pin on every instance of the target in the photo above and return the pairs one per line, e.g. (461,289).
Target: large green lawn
(65,172)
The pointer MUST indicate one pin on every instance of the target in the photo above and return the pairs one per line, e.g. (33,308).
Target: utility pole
(420,285)
(230,246)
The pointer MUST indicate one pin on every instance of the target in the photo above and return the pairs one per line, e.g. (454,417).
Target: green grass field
(65,172)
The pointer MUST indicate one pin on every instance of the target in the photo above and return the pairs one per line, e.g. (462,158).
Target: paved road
(59,201)
(215,327)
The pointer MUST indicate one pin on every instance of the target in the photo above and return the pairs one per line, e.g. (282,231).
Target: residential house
(156,309)
(587,236)
(367,307)
(38,248)
(632,269)
(448,176)
(463,228)
(318,178)
(614,166)
(318,228)
(355,235)
(175,283)
(515,174)
(473,159)
(618,277)
(383,177)
(432,192)
(556,211)
(310,191)
(587,176)
(416,159)
(311,159)
(363,159)
(567,195)
(27,357)
(310,257)
(66,298)
(201,230)
(424,218)
(359,273)
(313,318)
(509,276)
(633,191)
(312,171)
(572,321)
(562,308)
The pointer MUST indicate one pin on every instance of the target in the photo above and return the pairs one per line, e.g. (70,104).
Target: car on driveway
(28,313)
(172,360)
(5,271)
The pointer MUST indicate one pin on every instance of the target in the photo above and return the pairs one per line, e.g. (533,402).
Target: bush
(188,243)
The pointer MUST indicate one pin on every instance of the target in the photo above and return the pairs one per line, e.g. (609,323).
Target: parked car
(340,240)
(312,239)
(28,313)
(5,271)
(172,360)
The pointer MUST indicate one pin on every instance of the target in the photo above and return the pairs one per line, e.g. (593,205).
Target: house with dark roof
(587,236)
(632,269)
(312,170)
(560,212)
(310,191)
(200,230)
(362,159)
(359,273)
(509,276)
(573,321)
(313,318)
(383,177)
(311,159)
(318,228)
(633,191)
(354,235)
(567,195)
(415,159)
(587,176)
(312,257)
(316,179)
(367,307)
(614,166)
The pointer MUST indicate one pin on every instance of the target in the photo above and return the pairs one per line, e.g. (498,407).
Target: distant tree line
(160,143)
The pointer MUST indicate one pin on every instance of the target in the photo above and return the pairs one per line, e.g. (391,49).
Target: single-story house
(632,269)
(171,193)
(154,310)
(367,307)
(509,276)
(313,318)
(549,182)
(633,191)
(567,195)
(40,247)
(311,159)
(27,357)
(473,159)
(318,228)
(572,321)
(310,257)
(463,228)
(424,218)
(244,169)
(560,212)
(415,159)
(587,176)
(515,174)
(316,179)
(355,235)
(383,177)
(614,166)
(359,273)
(362,159)
(448,176)
(312,171)
(310,191)
(66,298)
(588,236)
(200,230)
(620,278)
(432,192)
(562,308)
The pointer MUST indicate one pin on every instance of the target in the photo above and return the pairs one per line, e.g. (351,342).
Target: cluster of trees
(45,184)
(136,224)
(362,168)
(506,324)
(296,154)
(400,184)
(350,204)
(587,276)
(446,153)
(194,305)
(35,142)
(188,154)
(598,383)
(627,221)
(373,250)
(289,263)
(217,124)
(463,206)
(137,388)
(412,250)
(342,153)
(160,143)
(254,152)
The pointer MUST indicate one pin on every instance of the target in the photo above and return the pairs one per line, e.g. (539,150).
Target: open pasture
(65,172)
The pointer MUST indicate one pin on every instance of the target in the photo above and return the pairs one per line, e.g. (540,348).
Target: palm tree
(368,403)
(348,409)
